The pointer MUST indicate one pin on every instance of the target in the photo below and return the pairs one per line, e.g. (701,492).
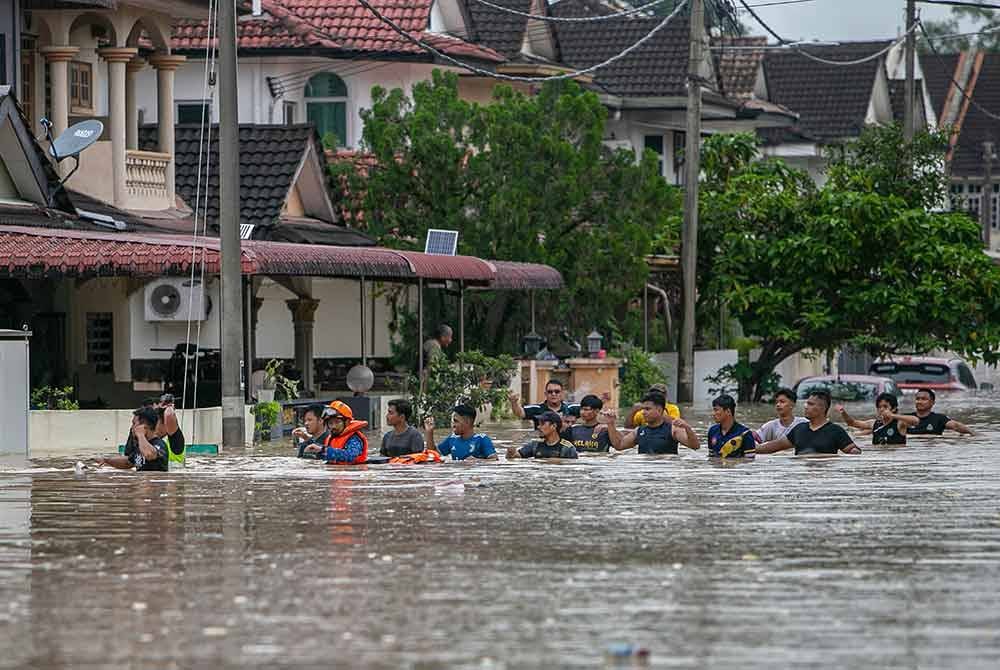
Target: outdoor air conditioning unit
(176,299)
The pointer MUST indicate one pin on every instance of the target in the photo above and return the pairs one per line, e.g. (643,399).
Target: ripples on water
(890,559)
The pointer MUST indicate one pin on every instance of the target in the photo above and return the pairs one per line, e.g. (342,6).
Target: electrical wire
(506,77)
(573,19)
(965,94)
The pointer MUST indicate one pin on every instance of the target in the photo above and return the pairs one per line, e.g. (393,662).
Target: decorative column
(166,65)
(134,67)
(303,318)
(58,58)
(117,57)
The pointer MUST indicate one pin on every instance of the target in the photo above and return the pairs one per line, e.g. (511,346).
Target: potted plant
(266,419)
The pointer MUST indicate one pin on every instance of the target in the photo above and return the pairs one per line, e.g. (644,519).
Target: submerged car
(847,388)
(938,374)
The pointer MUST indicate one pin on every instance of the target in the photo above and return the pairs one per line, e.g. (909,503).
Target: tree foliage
(524,179)
(860,261)
(980,19)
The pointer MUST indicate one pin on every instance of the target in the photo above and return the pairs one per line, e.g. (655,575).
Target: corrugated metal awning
(525,276)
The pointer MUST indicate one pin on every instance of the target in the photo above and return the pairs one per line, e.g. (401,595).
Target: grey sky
(837,19)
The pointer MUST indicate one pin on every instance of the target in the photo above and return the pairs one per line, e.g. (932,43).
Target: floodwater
(889,560)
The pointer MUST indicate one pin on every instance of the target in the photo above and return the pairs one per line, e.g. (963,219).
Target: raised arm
(170,420)
(774,446)
(854,423)
(684,433)
(608,417)
(907,420)
(429,434)
(959,427)
(147,450)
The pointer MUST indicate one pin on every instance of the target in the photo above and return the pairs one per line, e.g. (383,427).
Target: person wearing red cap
(346,441)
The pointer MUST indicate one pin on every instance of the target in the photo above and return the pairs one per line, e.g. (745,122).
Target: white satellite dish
(70,144)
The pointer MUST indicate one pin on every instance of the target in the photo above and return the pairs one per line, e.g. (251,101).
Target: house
(965,91)
(836,102)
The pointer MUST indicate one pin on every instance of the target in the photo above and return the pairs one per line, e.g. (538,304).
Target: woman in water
(888,426)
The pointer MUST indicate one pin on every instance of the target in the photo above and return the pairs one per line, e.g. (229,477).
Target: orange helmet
(338,408)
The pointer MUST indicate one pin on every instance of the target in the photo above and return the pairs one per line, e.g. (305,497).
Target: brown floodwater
(890,559)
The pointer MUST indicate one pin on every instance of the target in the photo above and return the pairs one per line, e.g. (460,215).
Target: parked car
(847,388)
(939,374)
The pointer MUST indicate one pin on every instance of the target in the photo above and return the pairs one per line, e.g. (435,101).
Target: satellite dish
(165,300)
(77,137)
(360,379)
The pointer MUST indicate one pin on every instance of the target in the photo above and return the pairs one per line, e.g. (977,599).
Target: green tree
(963,20)
(860,261)
(525,179)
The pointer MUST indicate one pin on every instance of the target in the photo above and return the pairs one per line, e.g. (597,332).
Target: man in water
(464,442)
(727,438)
(635,418)
(551,445)
(591,434)
(658,436)
(146,452)
(345,442)
(784,407)
(553,403)
(403,439)
(817,435)
(312,434)
(930,422)
(888,426)
(170,430)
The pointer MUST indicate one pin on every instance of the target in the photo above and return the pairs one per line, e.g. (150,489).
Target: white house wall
(255,102)
(148,336)
(628,130)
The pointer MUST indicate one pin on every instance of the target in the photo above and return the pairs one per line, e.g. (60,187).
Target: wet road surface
(890,560)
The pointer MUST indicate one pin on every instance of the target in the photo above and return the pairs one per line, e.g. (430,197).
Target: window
(655,144)
(326,107)
(288,112)
(99,341)
(27,83)
(194,111)
(680,141)
(81,89)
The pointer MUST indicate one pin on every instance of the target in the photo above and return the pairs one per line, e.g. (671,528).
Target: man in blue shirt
(464,442)
(727,438)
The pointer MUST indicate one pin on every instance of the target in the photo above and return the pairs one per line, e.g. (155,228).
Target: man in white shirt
(784,407)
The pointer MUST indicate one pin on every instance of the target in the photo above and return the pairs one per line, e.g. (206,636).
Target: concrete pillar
(134,67)
(166,65)
(117,57)
(303,318)
(58,58)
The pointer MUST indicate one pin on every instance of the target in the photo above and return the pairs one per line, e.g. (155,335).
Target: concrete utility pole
(986,200)
(689,236)
(233,430)
(911,47)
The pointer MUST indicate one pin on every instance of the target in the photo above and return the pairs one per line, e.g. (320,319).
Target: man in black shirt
(312,434)
(818,436)
(553,403)
(591,434)
(146,452)
(930,422)
(551,445)
(658,436)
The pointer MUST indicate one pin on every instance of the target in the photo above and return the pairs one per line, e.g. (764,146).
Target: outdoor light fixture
(594,342)
(531,344)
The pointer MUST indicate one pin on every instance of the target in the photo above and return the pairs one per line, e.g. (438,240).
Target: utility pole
(986,200)
(689,236)
(233,429)
(911,47)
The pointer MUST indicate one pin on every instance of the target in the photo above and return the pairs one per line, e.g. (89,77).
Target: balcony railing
(146,180)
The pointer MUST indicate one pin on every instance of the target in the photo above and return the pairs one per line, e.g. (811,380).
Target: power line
(995,117)
(506,77)
(781,2)
(959,3)
(573,19)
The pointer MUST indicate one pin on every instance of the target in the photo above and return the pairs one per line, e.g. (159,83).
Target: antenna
(71,144)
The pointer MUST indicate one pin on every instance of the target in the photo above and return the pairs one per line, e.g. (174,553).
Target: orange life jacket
(425,456)
(340,441)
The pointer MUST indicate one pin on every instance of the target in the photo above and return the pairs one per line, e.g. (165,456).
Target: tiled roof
(269,159)
(658,68)
(832,100)
(978,127)
(501,31)
(336,25)
(737,66)
(938,71)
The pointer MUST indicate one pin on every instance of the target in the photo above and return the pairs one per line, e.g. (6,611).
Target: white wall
(147,336)
(634,132)
(255,101)
(100,295)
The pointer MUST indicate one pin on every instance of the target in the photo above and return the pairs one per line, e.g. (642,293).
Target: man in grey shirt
(403,439)
(784,407)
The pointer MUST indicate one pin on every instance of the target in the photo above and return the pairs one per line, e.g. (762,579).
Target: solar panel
(441,242)
(246,230)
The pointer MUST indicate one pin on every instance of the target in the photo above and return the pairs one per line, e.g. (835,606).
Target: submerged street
(889,560)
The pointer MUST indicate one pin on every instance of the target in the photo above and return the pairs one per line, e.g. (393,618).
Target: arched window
(326,105)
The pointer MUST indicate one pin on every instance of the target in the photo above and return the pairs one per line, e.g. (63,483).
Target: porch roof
(36,253)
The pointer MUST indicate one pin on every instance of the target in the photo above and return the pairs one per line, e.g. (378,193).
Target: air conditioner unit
(176,299)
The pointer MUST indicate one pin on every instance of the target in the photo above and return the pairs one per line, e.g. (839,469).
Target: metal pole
(645,318)
(532,295)
(248,335)
(364,317)
(986,199)
(689,236)
(233,434)
(911,46)
(420,325)
(461,317)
